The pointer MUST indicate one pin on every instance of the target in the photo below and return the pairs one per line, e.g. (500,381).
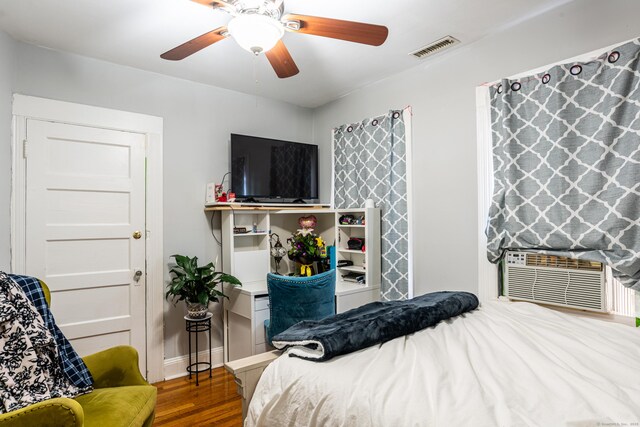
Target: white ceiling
(136,32)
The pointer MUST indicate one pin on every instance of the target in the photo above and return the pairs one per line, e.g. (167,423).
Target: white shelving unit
(247,256)
(365,262)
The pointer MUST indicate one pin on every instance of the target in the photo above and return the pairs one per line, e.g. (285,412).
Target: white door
(85,202)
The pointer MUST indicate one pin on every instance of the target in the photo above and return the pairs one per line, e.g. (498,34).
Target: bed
(505,364)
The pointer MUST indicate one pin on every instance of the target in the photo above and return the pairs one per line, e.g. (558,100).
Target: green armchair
(121,396)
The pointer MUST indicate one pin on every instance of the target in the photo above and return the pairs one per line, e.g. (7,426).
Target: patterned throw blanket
(72,365)
(30,369)
(371,324)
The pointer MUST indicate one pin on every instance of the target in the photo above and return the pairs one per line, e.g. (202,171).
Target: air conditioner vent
(435,47)
(555,280)
(552,261)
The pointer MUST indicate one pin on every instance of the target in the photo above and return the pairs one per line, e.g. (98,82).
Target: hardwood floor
(214,402)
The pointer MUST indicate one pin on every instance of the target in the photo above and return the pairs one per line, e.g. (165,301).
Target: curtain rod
(408,107)
(585,57)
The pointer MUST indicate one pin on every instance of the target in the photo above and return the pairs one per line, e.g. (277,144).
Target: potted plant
(197,286)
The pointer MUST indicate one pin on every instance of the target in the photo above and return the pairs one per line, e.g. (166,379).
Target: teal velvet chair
(294,299)
(121,396)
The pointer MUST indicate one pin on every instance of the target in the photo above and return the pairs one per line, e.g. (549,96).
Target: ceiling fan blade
(356,32)
(281,61)
(212,3)
(194,45)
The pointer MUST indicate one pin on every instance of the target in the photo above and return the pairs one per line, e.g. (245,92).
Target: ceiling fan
(258,26)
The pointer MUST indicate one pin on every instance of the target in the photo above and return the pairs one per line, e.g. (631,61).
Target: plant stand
(194,326)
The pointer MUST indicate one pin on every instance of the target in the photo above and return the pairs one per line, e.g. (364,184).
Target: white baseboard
(176,367)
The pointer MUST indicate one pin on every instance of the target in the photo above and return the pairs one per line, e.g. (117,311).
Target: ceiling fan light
(256,33)
(250,4)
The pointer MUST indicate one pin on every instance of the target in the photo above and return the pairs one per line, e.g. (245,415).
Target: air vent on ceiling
(435,47)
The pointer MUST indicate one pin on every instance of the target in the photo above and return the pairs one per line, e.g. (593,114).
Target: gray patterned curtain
(566,152)
(370,161)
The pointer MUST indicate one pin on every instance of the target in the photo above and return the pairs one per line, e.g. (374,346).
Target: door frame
(29,107)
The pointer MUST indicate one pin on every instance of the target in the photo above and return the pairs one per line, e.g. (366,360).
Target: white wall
(6,82)
(442,94)
(197,122)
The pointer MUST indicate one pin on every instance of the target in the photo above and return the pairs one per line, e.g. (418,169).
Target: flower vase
(307,270)
(304,265)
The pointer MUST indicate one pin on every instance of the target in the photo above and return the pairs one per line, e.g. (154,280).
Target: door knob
(137,235)
(137,275)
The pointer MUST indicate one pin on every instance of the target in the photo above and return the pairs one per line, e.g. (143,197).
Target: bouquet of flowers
(306,247)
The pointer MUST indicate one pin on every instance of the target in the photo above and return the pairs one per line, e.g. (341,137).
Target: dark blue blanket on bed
(371,324)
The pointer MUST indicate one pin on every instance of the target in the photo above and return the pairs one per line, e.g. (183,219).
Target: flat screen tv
(274,170)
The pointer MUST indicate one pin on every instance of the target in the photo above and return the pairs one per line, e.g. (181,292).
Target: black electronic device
(240,230)
(344,263)
(273,170)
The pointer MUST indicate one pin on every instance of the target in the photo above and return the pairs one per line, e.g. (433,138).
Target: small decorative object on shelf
(352,220)
(197,286)
(308,222)
(277,250)
(219,189)
(346,219)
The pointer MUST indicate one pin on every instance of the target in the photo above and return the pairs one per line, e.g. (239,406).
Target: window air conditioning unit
(554,280)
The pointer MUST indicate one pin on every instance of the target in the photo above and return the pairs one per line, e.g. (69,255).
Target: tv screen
(273,169)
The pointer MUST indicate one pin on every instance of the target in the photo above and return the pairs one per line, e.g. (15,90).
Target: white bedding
(506,364)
